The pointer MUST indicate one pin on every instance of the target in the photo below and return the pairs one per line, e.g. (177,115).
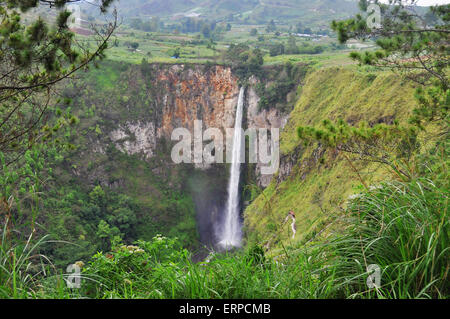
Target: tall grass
(401,227)
(20,265)
(404,229)
(239,274)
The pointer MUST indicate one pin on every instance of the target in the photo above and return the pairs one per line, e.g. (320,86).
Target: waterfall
(230,235)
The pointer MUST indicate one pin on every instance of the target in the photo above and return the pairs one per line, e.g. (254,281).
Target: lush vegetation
(403,228)
(394,139)
(365,154)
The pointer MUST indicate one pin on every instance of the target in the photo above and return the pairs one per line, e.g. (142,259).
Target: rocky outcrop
(287,164)
(257,118)
(135,138)
(182,94)
(189,93)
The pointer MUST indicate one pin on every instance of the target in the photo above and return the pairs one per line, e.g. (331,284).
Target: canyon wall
(127,115)
(182,94)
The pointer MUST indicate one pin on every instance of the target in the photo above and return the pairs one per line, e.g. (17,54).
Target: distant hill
(311,13)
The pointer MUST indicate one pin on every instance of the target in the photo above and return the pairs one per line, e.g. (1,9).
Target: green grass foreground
(401,227)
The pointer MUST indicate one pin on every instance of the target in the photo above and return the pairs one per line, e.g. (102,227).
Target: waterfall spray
(231,235)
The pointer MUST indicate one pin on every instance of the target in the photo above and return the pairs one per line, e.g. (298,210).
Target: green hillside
(315,13)
(318,184)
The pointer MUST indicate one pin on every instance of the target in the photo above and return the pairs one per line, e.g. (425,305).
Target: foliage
(306,48)
(244,61)
(20,265)
(316,182)
(417,50)
(416,47)
(404,229)
(135,271)
(276,49)
(401,227)
(176,53)
(378,143)
(160,269)
(151,25)
(283,81)
(406,41)
(34,58)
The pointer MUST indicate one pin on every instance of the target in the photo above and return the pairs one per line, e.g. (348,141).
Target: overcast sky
(432,2)
(428,2)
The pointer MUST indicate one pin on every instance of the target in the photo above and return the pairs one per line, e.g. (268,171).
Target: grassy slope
(314,190)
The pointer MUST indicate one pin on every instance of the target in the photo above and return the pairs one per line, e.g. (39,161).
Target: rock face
(196,93)
(262,119)
(182,94)
(135,138)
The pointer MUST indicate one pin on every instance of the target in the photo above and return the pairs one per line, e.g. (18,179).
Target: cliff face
(182,94)
(179,95)
(256,118)
(189,94)
(147,104)
(127,116)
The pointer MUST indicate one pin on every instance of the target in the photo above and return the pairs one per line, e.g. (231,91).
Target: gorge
(224,150)
(126,145)
(127,114)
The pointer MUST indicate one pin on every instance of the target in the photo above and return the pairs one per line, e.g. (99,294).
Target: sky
(428,2)
(432,2)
